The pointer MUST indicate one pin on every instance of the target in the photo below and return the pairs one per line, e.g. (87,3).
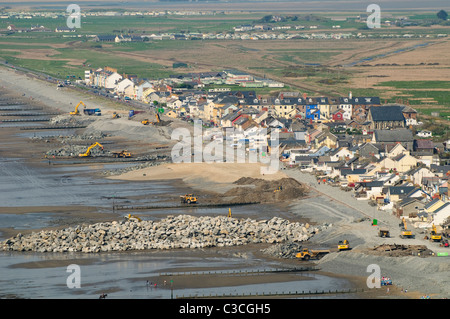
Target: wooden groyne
(302,293)
(211,205)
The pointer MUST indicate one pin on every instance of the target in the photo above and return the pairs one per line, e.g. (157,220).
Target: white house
(140,88)
(124,86)
(112,80)
(441,214)
(342,154)
(416,175)
(345,104)
(425,134)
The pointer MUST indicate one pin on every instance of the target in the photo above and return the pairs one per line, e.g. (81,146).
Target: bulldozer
(145,122)
(76,112)
(88,151)
(307,254)
(188,199)
(123,153)
(343,245)
(405,233)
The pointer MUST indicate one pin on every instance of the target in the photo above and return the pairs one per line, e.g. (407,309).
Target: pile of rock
(75,150)
(182,231)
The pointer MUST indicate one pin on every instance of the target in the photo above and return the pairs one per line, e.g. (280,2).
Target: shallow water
(125,275)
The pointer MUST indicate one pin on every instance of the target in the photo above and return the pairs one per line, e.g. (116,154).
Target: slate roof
(386,113)
(399,135)
(426,144)
(401,190)
(429,204)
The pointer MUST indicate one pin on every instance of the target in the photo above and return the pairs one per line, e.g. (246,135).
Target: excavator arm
(76,112)
(88,151)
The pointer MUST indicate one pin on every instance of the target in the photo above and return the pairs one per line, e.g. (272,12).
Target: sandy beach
(202,176)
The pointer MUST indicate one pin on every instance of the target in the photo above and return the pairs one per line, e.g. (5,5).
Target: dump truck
(343,245)
(97,112)
(123,153)
(307,254)
(188,199)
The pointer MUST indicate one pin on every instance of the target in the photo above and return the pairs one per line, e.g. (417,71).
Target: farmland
(323,61)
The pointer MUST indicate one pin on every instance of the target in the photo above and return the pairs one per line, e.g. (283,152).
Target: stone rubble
(182,231)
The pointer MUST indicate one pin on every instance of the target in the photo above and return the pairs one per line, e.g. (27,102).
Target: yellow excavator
(405,233)
(147,122)
(434,235)
(88,151)
(76,112)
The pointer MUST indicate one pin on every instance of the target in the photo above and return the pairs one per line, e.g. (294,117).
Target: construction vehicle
(88,151)
(131,217)
(434,236)
(76,112)
(405,233)
(188,199)
(343,245)
(307,254)
(123,153)
(147,122)
(384,232)
(115,115)
(97,112)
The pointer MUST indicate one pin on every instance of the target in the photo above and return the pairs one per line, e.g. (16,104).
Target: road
(352,217)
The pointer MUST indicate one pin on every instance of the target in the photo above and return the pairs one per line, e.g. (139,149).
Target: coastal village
(360,144)
(347,162)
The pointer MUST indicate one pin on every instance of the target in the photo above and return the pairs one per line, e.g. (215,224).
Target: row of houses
(220,106)
(405,177)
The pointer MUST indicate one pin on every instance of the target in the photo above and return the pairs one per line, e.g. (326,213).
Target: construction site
(80,163)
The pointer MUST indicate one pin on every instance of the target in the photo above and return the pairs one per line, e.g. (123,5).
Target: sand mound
(264,191)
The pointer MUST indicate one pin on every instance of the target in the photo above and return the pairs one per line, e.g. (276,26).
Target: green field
(299,61)
(417,84)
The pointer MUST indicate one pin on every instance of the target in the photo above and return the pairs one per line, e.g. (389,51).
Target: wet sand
(30,155)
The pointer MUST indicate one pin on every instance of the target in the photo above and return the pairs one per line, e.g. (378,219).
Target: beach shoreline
(212,178)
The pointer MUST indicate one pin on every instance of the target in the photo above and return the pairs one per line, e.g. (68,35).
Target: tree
(442,15)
